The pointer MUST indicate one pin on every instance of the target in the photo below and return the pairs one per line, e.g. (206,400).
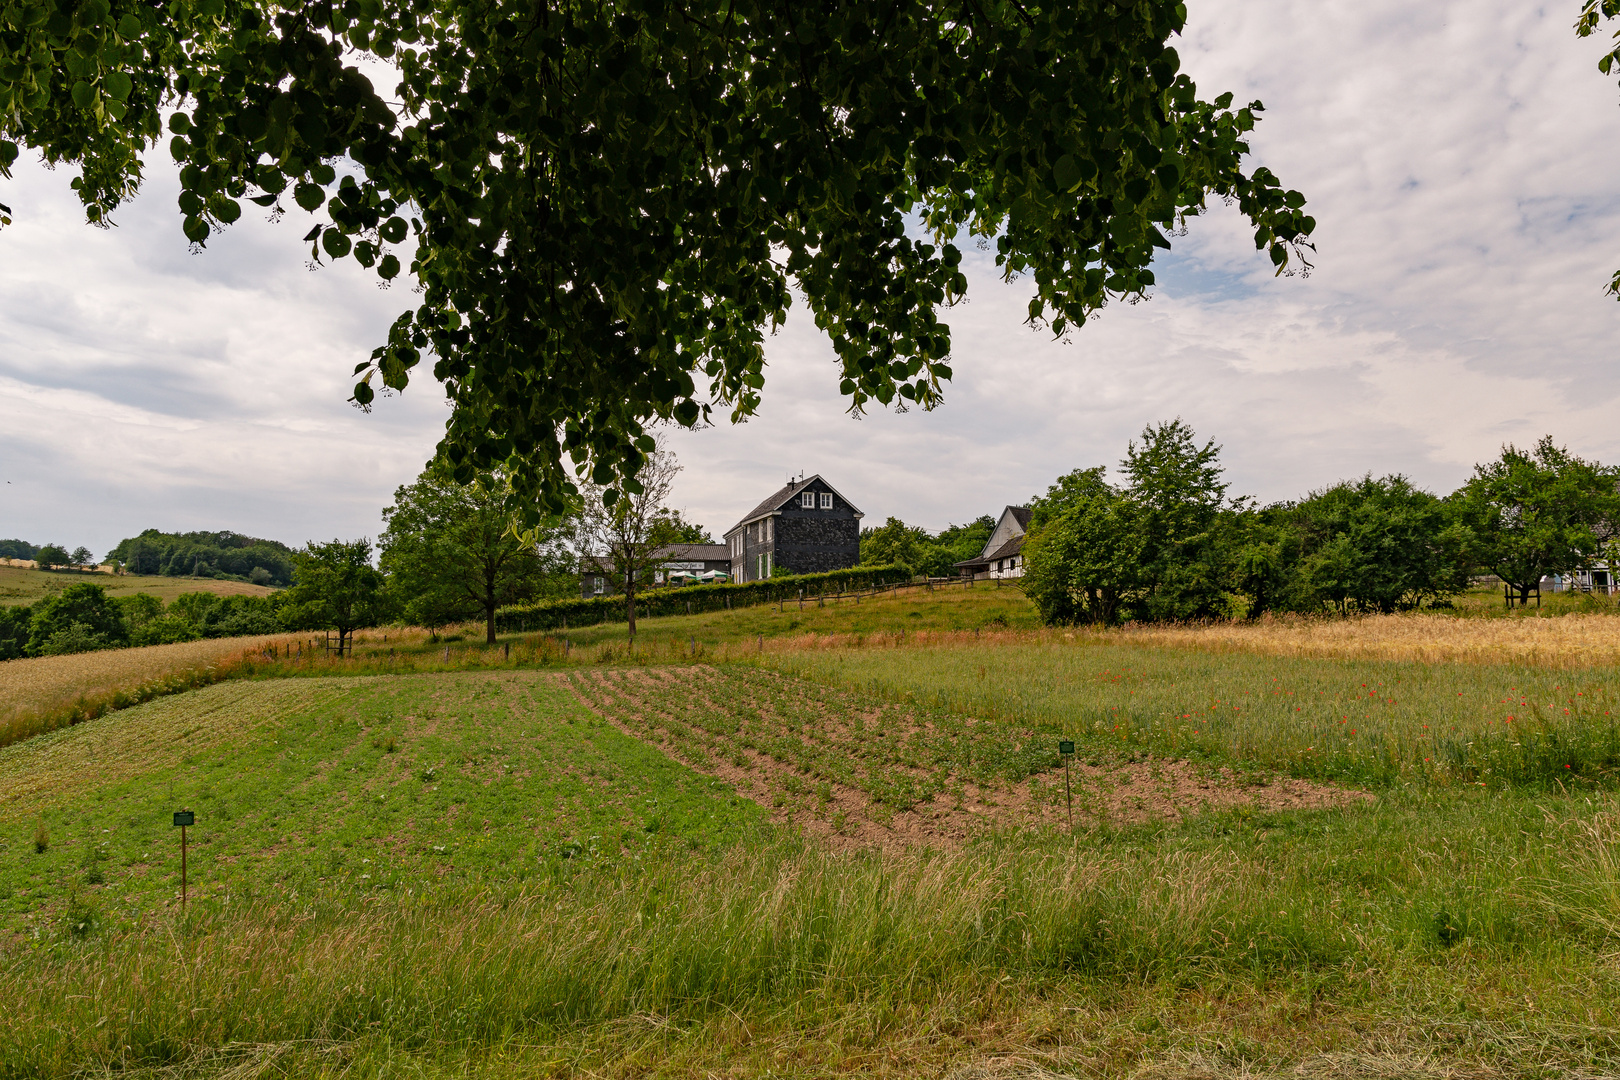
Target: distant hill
(206,554)
(16,549)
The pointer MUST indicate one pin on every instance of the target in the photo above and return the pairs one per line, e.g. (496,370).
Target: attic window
(808,500)
(826,500)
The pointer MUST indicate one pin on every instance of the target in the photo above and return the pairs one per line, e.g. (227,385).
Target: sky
(1462,162)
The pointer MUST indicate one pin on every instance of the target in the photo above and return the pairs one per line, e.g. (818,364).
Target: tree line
(48,556)
(222,555)
(448,553)
(1167,541)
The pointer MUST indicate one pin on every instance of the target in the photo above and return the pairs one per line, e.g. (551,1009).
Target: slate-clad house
(1003,554)
(806,527)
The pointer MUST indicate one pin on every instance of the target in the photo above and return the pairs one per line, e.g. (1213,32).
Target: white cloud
(1462,161)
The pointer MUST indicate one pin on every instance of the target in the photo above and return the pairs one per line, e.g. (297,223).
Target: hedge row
(684,599)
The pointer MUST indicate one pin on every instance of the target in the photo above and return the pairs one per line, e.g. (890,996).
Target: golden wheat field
(1569,641)
(42,683)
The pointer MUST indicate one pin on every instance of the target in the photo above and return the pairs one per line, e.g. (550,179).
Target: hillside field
(841,849)
(19,585)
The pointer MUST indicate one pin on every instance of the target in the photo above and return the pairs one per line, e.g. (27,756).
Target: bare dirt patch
(859,772)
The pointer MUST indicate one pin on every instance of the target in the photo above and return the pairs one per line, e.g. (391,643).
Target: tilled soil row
(701,717)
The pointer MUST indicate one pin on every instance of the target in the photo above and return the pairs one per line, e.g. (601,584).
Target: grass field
(335,785)
(472,874)
(20,585)
(42,693)
(841,850)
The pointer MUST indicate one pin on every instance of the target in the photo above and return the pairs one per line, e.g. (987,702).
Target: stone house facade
(806,527)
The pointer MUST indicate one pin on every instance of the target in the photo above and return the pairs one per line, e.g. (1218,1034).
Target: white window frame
(600,586)
(762,565)
(826,500)
(768,529)
(807,500)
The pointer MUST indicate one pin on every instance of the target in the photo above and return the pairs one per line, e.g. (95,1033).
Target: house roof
(782,496)
(1005,551)
(695,552)
(596,564)
(1021,514)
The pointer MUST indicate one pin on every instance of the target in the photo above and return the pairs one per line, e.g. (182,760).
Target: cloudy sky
(1462,160)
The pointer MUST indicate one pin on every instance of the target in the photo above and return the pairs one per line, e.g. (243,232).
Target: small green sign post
(182,819)
(1066,751)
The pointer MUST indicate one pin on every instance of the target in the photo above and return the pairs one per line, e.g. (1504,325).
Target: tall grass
(1374,722)
(790,940)
(44,693)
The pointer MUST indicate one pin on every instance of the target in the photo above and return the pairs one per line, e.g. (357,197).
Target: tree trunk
(630,603)
(489,618)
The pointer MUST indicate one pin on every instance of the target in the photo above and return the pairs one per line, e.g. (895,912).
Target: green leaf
(335,243)
(309,196)
(119,85)
(1067,173)
(129,26)
(388,268)
(196,229)
(393,230)
(84,95)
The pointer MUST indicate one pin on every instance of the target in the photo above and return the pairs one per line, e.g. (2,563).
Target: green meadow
(23,585)
(543,863)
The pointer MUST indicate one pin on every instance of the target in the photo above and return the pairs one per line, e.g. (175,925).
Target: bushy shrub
(14,631)
(76,638)
(588,611)
(166,630)
(83,604)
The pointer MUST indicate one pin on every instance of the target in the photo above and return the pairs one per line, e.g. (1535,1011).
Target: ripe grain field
(42,692)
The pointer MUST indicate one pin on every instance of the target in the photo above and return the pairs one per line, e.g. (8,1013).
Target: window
(598,586)
(768,529)
(808,500)
(762,565)
(826,500)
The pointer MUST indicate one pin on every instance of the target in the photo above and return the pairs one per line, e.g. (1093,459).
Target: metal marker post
(1066,751)
(183,818)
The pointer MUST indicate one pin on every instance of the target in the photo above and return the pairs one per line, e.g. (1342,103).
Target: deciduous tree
(623,537)
(335,587)
(51,556)
(607,204)
(456,551)
(1538,512)
(1380,545)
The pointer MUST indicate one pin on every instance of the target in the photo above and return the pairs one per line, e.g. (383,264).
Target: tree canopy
(607,205)
(1538,512)
(335,587)
(453,552)
(1593,13)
